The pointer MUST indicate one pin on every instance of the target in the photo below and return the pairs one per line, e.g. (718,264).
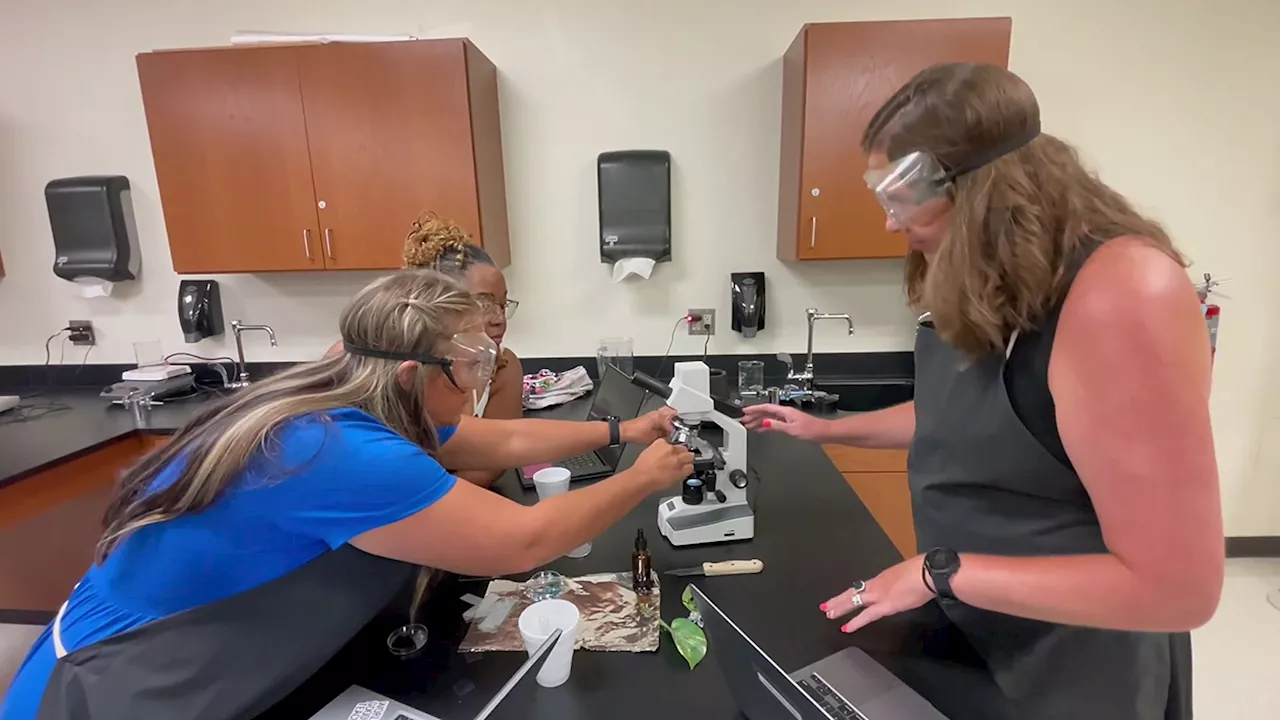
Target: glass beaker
(750,378)
(615,351)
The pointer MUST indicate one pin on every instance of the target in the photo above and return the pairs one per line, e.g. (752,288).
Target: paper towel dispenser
(635,204)
(94,234)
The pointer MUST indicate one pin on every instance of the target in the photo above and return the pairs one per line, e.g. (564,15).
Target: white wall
(1175,103)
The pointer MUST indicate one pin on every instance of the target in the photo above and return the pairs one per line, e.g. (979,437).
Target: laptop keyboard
(369,710)
(586,462)
(829,700)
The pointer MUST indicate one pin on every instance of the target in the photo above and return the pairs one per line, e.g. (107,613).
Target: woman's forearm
(480,478)
(891,428)
(565,521)
(1090,590)
(533,441)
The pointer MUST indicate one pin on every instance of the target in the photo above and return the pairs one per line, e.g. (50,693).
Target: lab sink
(865,395)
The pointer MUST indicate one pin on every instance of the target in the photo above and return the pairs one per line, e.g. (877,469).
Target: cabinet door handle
(306,242)
(813,233)
(328,244)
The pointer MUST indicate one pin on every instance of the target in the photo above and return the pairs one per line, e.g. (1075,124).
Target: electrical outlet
(81,332)
(704,322)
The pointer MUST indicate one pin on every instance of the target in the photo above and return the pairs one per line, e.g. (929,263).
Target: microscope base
(685,524)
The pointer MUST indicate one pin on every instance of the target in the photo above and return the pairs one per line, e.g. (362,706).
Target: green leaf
(689,638)
(687,599)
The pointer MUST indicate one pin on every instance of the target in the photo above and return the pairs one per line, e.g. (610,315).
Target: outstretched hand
(787,420)
(648,427)
(898,589)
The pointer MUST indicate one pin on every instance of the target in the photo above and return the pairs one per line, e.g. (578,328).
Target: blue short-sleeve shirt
(323,480)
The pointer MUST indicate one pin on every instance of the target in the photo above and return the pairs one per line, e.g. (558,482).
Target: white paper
(92,287)
(640,267)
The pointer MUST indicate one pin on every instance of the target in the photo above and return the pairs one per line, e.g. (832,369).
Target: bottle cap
(641,543)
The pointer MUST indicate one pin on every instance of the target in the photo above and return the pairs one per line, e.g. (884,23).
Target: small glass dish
(544,585)
(407,640)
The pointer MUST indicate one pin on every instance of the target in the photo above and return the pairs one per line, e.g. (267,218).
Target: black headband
(389,355)
(992,154)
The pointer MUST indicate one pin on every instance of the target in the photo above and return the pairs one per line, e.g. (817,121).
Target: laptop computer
(846,686)
(616,397)
(357,703)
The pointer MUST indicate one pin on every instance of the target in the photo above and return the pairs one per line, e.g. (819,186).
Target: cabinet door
(888,498)
(390,135)
(230,149)
(851,69)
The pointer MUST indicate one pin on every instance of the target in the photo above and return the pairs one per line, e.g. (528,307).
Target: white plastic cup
(552,481)
(537,622)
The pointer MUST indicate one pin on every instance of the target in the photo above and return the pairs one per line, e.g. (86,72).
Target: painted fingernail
(766,423)
(822,607)
(846,629)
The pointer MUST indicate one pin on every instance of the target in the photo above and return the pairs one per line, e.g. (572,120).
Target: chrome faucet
(237,327)
(800,384)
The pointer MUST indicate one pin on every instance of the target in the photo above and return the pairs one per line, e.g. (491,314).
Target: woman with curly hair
(440,245)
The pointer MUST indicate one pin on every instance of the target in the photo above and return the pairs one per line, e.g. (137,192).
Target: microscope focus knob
(738,478)
(721,497)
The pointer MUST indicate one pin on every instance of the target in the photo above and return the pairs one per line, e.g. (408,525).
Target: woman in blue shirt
(306,500)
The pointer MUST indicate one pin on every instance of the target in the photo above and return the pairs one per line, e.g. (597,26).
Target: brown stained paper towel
(614,618)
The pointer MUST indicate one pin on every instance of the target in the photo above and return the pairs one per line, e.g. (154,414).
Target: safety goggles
(468,362)
(918,179)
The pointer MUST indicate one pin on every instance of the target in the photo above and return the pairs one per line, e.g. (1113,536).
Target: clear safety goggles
(468,361)
(907,184)
(918,179)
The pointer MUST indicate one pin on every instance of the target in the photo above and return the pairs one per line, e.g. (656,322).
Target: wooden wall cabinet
(318,157)
(834,78)
(879,477)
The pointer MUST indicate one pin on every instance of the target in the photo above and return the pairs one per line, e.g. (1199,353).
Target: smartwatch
(940,564)
(615,431)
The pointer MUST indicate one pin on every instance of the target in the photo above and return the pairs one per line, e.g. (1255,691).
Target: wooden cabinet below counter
(879,477)
(50,524)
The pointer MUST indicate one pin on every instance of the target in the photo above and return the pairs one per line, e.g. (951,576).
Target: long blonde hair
(410,312)
(1019,225)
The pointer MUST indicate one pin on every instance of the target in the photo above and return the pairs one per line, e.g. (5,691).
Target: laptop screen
(617,397)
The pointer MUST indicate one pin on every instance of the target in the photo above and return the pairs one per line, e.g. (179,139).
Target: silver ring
(857,600)
(858,586)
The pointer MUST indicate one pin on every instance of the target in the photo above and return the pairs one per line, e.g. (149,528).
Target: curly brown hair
(441,245)
(1019,225)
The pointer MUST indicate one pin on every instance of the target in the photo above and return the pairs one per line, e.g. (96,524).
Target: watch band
(615,432)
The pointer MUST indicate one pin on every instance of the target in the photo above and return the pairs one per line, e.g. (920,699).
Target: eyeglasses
(491,307)
(473,357)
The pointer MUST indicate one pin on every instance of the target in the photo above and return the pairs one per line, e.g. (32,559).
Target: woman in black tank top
(1063,480)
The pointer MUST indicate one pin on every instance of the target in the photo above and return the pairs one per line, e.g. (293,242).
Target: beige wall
(1174,102)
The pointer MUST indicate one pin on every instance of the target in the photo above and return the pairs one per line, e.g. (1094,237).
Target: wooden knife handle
(732,567)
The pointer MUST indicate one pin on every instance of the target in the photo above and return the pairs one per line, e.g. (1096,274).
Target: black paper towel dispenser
(635,204)
(94,234)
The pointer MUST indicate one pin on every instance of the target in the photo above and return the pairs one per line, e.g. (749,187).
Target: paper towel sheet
(92,287)
(641,267)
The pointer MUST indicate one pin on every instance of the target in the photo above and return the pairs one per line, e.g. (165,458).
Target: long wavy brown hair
(1020,225)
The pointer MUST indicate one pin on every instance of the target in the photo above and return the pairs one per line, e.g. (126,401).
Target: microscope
(712,506)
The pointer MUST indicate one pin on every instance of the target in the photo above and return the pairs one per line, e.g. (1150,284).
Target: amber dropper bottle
(641,566)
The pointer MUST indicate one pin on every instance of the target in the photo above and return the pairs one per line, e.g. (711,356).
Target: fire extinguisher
(1212,312)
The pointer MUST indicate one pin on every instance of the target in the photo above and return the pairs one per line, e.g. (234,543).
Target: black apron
(233,658)
(981,483)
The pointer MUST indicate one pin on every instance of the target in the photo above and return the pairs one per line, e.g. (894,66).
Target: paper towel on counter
(92,287)
(632,266)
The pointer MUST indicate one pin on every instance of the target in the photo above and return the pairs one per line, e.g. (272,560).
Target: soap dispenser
(199,309)
(747,307)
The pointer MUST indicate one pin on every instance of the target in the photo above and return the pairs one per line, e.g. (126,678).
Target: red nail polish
(767,423)
(823,607)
